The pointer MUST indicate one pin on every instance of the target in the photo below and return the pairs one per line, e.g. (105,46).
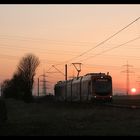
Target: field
(50,118)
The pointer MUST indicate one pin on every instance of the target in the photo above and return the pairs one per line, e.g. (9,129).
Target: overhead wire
(103,41)
(19,48)
(23,38)
(112,48)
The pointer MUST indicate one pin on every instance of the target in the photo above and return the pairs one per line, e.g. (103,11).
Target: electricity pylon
(127,71)
(44,89)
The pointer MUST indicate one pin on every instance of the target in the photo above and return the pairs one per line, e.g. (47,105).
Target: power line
(97,65)
(112,48)
(12,57)
(104,40)
(120,56)
(58,70)
(41,39)
(19,48)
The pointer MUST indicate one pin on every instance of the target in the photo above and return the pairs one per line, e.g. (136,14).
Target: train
(90,87)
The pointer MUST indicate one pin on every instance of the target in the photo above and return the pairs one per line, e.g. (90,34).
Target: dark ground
(50,118)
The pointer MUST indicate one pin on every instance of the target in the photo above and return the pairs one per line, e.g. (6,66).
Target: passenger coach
(92,86)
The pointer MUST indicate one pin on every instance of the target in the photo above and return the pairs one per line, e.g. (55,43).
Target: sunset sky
(59,33)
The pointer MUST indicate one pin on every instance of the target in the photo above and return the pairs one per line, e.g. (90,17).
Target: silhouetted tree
(26,69)
(3,111)
(21,84)
(5,86)
(17,86)
(13,88)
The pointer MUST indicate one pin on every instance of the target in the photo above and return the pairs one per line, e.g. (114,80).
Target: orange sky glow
(58,33)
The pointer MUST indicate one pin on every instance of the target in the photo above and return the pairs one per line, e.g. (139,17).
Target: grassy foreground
(49,118)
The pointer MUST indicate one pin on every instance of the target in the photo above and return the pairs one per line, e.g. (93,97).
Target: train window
(102,87)
(103,80)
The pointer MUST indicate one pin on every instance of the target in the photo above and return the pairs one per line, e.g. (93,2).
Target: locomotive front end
(102,87)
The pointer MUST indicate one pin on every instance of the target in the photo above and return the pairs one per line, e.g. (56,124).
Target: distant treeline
(21,84)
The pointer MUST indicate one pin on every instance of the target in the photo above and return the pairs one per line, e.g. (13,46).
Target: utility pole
(127,71)
(66,82)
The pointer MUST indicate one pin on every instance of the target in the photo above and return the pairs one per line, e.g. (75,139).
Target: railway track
(122,106)
(129,102)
